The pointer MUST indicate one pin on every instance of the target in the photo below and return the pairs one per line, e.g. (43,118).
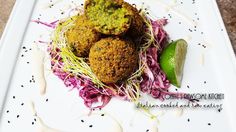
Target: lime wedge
(172,61)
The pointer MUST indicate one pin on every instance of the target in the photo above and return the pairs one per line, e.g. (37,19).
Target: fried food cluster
(105,34)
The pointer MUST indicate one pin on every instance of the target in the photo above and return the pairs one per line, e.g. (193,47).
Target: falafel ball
(136,28)
(113,59)
(81,37)
(108,16)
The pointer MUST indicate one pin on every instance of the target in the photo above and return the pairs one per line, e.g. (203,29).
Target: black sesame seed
(209,124)
(102,114)
(8,122)
(22,86)
(82,120)
(176,89)
(22,104)
(14,97)
(147,130)
(17,116)
(90,125)
(32,123)
(27,62)
(22,55)
(7,111)
(219,110)
(46,100)
(205,82)
(82,4)
(35,119)
(180,23)
(188,120)
(187,86)
(24,47)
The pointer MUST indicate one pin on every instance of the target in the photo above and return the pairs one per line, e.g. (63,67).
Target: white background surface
(63,109)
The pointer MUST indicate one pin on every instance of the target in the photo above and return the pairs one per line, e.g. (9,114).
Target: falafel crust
(113,59)
(81,37)
(136,29)
(108,16)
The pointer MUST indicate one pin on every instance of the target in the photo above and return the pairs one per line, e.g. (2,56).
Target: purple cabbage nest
(153,80)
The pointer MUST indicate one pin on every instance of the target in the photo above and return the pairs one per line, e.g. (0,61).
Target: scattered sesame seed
(82,120)
(102,114)
(17,116)
(7,111)
(209,124)
(147,130)
(22,104)
(32,123)
(46,100)
(187,86)
(188,120)
(8,122)
(14,97)
(90,125)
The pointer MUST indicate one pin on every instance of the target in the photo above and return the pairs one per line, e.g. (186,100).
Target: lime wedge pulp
(172,61)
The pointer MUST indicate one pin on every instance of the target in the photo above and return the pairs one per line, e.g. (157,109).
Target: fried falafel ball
(113,59)
(137,24)
(108,16)
(81,37)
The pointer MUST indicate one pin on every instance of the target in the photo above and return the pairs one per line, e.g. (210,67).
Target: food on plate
(81,36)
(113,59)
(108,16)
(137,23)
(102,58)
(172,61)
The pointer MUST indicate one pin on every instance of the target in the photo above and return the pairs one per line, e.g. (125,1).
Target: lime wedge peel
(172,61)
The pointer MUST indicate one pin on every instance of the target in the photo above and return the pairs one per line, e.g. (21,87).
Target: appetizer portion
(113,49)
(108,16)
(81,36)
(113,59)
(136,28)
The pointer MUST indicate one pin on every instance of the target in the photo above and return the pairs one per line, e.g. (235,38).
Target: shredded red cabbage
(87,90)
(154,81)
(51,24)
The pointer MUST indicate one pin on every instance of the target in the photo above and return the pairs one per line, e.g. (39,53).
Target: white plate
(215,64)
